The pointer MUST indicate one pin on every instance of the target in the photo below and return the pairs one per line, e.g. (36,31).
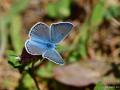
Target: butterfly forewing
(59,31)
(40,31)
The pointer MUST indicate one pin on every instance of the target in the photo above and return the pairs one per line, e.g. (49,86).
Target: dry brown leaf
(81,74)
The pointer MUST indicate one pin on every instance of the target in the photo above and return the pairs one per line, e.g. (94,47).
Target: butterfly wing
(40,31)
(39,35)
(53,56)
(34,47)
(60,30)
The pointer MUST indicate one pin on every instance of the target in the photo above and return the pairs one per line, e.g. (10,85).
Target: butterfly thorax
(50,45)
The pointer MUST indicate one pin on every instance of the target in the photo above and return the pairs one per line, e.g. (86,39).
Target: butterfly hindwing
(53,56)
(59,31)
(35,48)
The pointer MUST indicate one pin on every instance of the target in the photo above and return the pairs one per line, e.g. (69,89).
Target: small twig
(37,64)
(31,72)
(36,83)
(116,22)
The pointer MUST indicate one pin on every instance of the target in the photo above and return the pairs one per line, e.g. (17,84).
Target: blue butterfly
(43,40)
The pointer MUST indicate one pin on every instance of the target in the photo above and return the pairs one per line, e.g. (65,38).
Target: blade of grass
(83,40)
(18,6)
(80,41)
(98,13)
(3,36)
(15,33)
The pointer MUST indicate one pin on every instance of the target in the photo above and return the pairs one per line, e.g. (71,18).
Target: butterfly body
(50,45)
(43,40)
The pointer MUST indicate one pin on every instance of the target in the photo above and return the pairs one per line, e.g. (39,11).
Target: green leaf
(64,7)
(46,71)
(28,81)
(72,59)
(15,33)
(62,48)
(99,86)
(13,59)
(98,13)
(84,36)
(113,11)
(51,10)
(59,9)
(18,6)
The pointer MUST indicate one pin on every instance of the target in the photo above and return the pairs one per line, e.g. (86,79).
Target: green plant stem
(37,64)
(31,72)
